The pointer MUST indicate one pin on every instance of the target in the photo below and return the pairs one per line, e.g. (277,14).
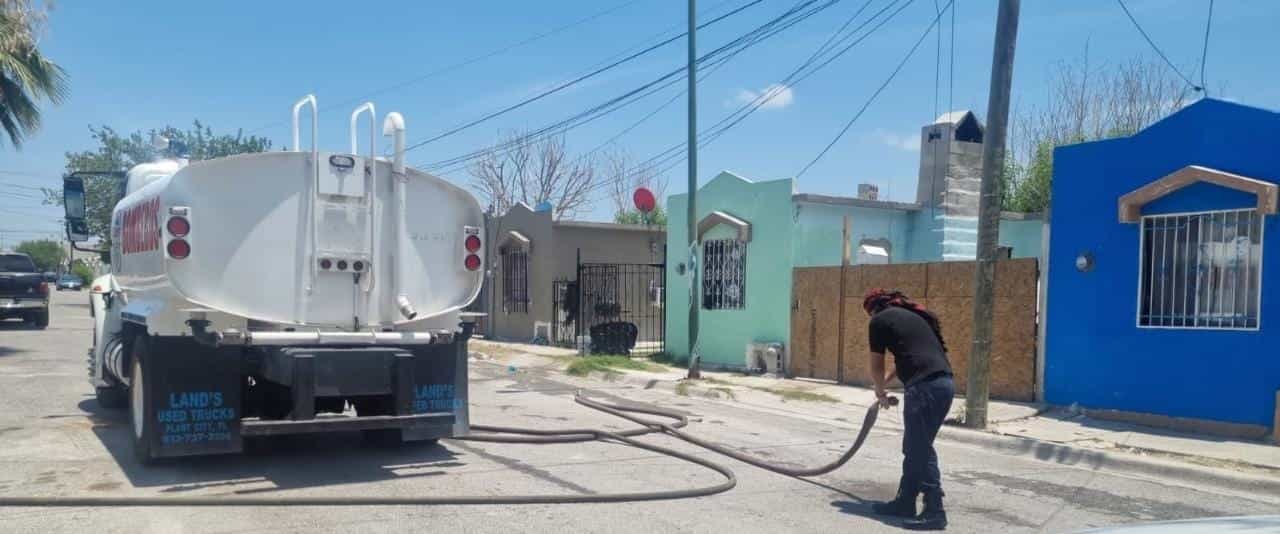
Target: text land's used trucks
(264,294)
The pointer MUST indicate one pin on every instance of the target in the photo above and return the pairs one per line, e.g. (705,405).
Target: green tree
(47,254)
(657,217)
(26,76)
(82,271)
(119,153)
(1085,104)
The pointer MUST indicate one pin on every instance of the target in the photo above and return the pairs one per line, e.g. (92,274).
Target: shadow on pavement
(284,462)
(862,508)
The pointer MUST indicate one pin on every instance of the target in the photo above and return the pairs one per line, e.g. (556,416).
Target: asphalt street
(56,441)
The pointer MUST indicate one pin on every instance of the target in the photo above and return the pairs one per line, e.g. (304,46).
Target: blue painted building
(1156,269)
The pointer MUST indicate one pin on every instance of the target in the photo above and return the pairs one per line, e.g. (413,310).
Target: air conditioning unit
(541,332)
(766,357)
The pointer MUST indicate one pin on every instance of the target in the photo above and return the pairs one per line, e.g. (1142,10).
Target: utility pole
(975,414)
(695,363)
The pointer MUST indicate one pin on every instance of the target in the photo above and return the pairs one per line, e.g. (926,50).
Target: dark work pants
(926,407)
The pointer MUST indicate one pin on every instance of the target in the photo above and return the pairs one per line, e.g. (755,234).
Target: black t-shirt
(917,352)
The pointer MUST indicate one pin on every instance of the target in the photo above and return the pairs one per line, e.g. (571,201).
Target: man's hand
(883,398)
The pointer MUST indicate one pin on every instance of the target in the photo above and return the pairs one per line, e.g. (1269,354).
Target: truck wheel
(141,412)
(112,397)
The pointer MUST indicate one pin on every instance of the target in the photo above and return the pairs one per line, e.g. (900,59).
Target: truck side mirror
(73,202)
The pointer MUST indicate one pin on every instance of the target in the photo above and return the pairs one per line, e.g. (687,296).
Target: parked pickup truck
(24,293)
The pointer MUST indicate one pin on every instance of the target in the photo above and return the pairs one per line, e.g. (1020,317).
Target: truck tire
(39,319)
(112,397)
(142,419)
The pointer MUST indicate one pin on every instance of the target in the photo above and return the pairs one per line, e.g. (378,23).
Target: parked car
(70,282)
(23,291)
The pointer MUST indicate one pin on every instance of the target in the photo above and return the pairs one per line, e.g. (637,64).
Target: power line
(794,78)
(570,83)
(1157,49)
(869,101)
(467,62)
(1204,52)
(715,58)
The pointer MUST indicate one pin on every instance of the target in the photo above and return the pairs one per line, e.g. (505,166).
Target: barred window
(724,274)
(515,280)
(1201,270)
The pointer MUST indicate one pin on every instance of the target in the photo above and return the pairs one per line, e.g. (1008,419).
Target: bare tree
(533,171)
(624,177)
(1085,103)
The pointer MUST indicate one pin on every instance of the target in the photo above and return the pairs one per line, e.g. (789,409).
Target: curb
(1064,454)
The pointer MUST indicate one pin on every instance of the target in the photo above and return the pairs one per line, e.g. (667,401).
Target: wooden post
(844,266)
(979,379)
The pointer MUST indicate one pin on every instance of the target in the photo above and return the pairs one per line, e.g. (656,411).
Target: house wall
(1025,236)
(819,228)
(553,253)
(502,322)
(724,334)
(1095,354)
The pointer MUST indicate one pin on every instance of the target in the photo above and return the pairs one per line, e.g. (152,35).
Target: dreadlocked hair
(879,299)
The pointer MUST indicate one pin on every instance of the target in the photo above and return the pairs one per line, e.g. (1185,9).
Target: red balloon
(644,200)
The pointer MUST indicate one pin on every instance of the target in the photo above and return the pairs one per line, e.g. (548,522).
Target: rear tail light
(178,226)
(471,246)
(44,288)
(178,249)
(342,265)
(326,264)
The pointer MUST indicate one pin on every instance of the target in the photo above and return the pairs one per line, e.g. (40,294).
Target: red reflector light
(472,262)
(472,243)
(178,249)
(178,226)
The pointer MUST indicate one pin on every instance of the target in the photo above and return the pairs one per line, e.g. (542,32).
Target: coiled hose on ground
(503,434)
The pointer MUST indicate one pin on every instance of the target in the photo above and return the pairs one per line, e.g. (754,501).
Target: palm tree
(26,76)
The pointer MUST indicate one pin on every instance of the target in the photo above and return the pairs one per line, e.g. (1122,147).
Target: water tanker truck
(284,293)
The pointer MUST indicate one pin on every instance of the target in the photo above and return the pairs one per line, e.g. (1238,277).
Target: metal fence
(622,294)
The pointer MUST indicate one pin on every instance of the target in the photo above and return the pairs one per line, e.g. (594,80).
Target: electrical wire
(1157,48)
(565,85)
(1204,51)
(466,62)
(714,59)
(672,156)
(798,75)
(877,92)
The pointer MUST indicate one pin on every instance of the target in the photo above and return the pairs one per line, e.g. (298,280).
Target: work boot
(903,505)
(932,518)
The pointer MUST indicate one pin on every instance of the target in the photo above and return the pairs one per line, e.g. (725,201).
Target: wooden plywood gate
(946,288)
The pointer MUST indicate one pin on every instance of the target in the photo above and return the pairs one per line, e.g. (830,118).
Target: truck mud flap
(426,388)
(196,395)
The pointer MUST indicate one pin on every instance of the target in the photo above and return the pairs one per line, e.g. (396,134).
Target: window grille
(1201,270)
(724,274)
(515,280)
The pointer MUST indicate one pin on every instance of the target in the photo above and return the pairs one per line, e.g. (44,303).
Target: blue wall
(1095,354)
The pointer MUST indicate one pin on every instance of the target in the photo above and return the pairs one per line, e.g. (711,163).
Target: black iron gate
(620,307)
(617,306)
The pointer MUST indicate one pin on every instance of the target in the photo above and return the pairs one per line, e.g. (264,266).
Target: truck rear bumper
(22,305)
(341,423)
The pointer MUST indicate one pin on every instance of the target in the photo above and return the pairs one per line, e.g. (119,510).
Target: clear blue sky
(144,64)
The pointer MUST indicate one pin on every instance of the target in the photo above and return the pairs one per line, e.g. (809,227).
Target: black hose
(519,435)
(868,422)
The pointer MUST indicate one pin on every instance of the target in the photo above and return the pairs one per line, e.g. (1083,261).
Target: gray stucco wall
(553,253)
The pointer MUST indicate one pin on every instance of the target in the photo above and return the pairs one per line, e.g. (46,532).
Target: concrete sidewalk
(829,402)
